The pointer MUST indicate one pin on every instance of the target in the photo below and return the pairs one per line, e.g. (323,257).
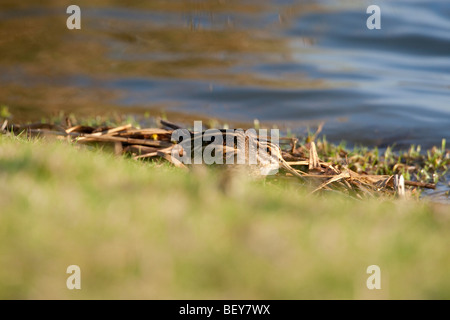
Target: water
(292,63)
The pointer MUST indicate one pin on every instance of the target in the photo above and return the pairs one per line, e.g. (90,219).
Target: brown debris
(156,143)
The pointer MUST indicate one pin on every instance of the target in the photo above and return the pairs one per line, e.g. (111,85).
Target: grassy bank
(142,230)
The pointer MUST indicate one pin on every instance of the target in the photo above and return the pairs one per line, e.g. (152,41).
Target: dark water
(286,62)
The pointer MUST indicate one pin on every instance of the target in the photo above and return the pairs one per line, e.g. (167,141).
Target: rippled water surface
(286,62)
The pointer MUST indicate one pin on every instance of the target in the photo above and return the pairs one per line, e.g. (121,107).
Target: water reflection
(289,62)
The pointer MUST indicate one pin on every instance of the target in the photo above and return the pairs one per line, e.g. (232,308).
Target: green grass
(150,231)
(429,166)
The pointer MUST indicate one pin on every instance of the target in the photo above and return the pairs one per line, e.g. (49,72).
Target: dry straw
(318,175)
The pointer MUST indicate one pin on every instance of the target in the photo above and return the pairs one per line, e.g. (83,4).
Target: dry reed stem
(313,158)
(127,139)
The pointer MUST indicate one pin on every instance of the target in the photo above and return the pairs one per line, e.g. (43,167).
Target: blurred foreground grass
(150,231)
